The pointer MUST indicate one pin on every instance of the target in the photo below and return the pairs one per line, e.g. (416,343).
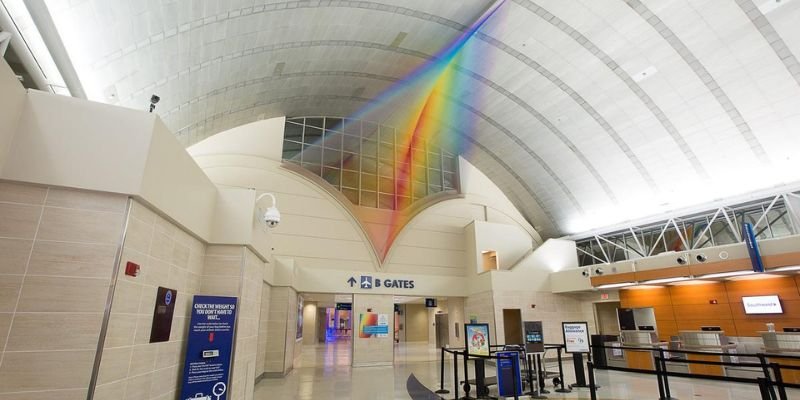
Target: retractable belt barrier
(771,384)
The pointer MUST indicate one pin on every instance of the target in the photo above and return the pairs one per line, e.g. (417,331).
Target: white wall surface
(12,102)
(318,232)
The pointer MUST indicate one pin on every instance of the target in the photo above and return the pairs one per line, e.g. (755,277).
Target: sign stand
(576,342)
(534,392)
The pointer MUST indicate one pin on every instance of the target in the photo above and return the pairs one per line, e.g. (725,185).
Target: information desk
(784,343)
(648,341)
(707,341)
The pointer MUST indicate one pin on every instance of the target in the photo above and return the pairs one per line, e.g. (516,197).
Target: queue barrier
(771,384)
(456,352)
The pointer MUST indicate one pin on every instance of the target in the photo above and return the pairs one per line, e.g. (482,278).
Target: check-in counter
(784,343)
(711,342)
(648,342)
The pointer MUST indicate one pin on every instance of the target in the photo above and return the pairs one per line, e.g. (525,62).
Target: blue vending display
(507,373)
(208,350)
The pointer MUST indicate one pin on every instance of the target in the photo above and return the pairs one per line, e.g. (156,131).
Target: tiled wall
(58,249)
(373,351)
(282,330)
(480,305)
(131,367)
(263,327)
(551,309)
(236,271)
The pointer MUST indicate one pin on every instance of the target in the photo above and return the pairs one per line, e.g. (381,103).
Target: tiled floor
(324,372)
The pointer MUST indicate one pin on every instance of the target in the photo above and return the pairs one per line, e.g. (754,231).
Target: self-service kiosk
(534,339)
(534,349)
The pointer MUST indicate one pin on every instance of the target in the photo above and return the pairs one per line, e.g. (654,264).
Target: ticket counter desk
(711,342)
(648,342)
(784,343)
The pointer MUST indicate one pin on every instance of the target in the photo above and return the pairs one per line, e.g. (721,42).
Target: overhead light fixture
(666,280)
(726,274)
(616,285)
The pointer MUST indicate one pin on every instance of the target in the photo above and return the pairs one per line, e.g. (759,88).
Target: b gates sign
(370,282)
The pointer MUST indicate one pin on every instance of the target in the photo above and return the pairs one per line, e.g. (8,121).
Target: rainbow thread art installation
(424,107)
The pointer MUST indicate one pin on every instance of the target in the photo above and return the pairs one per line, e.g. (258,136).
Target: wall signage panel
(373,325)
(209,346)
(162,315)
(576,336)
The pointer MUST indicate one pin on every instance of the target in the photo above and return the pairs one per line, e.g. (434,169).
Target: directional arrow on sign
(352,281)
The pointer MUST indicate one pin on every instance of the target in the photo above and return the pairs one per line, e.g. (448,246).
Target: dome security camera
(701,258)
(271,217)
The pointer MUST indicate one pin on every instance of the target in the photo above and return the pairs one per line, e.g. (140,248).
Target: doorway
(442,333)
(512,326)
(606,317)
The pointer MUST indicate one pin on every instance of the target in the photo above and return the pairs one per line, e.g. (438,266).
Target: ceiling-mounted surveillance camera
(585,273)
(681,260)
(701,258)
(598,271)
(271,217)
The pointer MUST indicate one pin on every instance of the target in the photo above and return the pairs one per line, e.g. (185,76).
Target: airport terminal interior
(399,199)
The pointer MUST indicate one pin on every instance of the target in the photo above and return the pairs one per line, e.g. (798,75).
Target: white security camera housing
(272,217)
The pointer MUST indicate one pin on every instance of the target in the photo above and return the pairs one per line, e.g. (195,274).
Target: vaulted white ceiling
(589,112)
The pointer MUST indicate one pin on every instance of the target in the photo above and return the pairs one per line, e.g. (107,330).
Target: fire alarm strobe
(132,269)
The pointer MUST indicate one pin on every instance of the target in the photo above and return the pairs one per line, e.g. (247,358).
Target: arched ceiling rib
(597,110)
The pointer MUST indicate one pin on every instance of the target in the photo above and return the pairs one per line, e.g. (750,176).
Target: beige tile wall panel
(15,255)
(57,294)
(54,331)
(373,351)
(263,328)
(86,200)
(71,225)
(150,370)
(10,286)
(12,192)
(19,220)
(86,260)
(45,370)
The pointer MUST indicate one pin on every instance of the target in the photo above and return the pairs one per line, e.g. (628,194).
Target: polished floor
(323,372)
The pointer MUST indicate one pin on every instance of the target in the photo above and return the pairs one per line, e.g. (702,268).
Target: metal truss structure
(772,217)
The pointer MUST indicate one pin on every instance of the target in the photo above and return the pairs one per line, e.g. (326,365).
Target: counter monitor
(762,305)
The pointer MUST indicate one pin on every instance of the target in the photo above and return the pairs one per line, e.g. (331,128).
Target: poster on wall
(576,336)
(477,337)
(371,325)
(207,364)
(299,317)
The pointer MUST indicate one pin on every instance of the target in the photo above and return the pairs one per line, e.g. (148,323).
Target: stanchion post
(767,377)
(763,387)
(592,387)
(776,369)
(515,372)
(455,374)
(466,375)
(442,390)
(665,374)
(659,377)
(561,373)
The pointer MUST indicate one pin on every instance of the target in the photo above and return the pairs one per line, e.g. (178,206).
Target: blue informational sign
(208,352)
(749,236)
(507,373)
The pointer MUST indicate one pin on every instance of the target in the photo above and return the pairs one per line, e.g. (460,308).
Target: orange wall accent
(688,307)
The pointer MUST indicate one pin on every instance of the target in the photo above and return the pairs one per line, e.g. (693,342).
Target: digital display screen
(762,305)
(533,337)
